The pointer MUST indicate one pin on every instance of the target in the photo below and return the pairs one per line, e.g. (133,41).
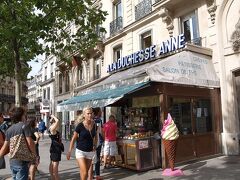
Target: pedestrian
(2,139)
(42,128)
(98,121)
(110,145)
(18,166)
(85,135)
(35,136)
(3,123)
(55,148)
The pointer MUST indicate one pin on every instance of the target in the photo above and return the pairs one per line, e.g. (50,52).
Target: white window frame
(117,49)
(190,17)
(143,36)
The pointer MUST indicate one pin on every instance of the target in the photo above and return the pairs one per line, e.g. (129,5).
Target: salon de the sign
(149,53)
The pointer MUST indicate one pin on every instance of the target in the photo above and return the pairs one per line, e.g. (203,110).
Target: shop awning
(99,98)
(188,68)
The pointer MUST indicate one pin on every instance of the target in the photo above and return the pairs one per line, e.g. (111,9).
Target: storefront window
(189,113)
(180,110)
(202,113)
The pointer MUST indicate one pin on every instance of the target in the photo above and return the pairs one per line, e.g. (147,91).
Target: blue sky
(36,66)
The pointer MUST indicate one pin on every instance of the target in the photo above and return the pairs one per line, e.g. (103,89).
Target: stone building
(197,83)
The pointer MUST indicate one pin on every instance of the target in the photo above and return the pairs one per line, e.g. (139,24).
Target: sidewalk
(219,168)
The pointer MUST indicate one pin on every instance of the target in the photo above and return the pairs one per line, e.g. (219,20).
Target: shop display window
(180,110)
(191,115)
(139,122)
(202,115)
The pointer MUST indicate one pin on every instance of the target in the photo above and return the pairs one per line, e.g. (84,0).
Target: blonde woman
(85,135)
(55,149)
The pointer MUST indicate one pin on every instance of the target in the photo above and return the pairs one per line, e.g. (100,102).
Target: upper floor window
(51,70)
(146,39)
(60,82)
(190,28)
(48,93)
(117,52)
(67,82)
(97,70)
(45,73)
(117,9)
(44,94)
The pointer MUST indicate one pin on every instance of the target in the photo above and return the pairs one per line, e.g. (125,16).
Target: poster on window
(143,144)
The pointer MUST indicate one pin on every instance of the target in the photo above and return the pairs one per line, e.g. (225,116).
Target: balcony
(11,99)
(142,9)
(116,25)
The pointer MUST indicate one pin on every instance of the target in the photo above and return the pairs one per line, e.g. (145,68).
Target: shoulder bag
(19,148)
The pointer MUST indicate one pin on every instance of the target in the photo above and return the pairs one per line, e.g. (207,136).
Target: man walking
(110,145)
(98,121)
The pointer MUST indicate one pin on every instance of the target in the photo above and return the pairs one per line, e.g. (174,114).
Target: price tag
(143,144)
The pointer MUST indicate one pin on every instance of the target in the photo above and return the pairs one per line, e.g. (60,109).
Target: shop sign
(143,144)
(148,101)
(147,54)
(45,106)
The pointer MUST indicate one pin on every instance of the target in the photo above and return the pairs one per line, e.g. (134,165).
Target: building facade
(7,93)
(34,96)
(47,88)
(209,115)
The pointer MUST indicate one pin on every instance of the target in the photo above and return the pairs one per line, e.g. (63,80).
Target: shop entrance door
(193,118)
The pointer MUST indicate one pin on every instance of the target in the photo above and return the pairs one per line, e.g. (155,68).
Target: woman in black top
(35,137)
(55,149)
(85,134)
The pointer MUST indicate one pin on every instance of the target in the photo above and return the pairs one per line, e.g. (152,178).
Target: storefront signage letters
(147,54)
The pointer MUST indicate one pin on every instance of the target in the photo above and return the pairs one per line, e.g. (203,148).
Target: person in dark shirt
(35,136)
(55,149)
(85,135)
(99,124)
(18,167)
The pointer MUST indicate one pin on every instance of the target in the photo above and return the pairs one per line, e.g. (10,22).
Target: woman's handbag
(19,148)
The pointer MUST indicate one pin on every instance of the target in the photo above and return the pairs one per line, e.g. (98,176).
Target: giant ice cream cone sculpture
(170,135)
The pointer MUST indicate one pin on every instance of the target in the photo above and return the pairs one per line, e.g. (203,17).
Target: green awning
(98,99)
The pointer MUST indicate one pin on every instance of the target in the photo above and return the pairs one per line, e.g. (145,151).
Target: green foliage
(31,27)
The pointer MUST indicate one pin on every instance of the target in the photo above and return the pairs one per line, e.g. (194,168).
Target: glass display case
(137,147)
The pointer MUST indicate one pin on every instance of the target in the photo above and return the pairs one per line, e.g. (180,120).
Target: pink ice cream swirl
(169,130)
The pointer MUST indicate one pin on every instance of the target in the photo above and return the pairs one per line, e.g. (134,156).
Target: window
(97,70)
(191,115)
(60,83)
(190,28)
(48,93)
(202,114)
(45,73)
(118,9)
(51,70)
(146,39)
(67,82)
(80,76)
(44,94)
(117,53)
(180,110)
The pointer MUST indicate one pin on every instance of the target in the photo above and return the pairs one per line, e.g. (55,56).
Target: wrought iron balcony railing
(142,9)
(116,25)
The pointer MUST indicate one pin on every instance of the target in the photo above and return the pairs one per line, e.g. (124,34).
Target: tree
(32,27)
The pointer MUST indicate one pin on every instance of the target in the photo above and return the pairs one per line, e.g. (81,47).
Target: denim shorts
(19,170)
